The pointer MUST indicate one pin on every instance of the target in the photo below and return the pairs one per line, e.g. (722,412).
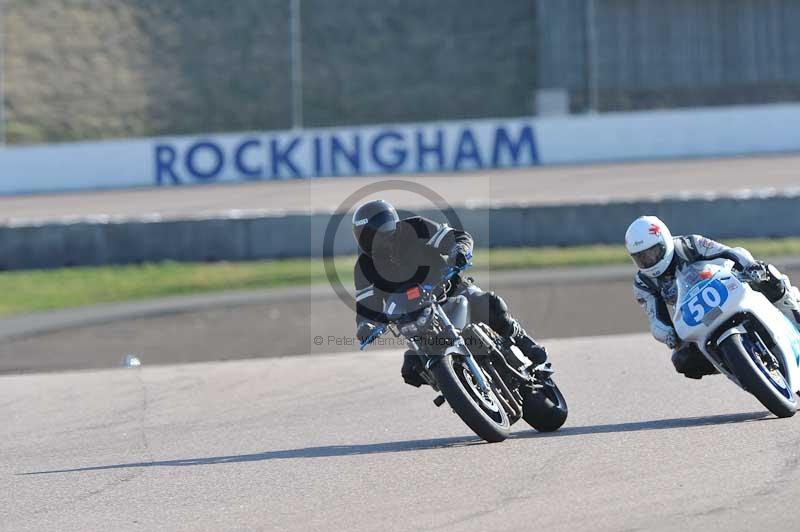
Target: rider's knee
(492,310)
(690,362)
(411,368)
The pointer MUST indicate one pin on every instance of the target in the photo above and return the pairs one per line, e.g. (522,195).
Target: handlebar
(451,272)
(379,330)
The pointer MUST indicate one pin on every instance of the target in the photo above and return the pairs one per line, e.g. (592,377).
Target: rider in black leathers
(398,253)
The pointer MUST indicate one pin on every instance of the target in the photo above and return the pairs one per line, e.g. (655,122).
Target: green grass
(31,291)
(28,291)
(554,257)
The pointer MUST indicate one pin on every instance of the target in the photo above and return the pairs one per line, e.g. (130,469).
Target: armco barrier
(238,238)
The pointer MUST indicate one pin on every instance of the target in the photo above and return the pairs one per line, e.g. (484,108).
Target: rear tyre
(545,409)
(770,387)
(484,414)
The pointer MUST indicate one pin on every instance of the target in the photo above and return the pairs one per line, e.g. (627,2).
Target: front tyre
(768,385)
(483,413)
(545,408)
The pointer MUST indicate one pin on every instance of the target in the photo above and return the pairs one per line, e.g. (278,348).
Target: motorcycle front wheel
(482,412)
(769,385)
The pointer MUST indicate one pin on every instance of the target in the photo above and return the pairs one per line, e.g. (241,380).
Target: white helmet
(650,245)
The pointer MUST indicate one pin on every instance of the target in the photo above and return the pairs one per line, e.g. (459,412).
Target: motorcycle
(740,332)
(486,380)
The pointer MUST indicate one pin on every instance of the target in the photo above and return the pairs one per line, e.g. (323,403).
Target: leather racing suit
(656,295)
(413,255)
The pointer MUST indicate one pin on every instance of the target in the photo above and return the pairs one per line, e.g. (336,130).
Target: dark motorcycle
(484,378)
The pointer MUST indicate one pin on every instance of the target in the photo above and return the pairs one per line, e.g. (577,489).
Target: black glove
(365,330)
(458,258)
(757,272)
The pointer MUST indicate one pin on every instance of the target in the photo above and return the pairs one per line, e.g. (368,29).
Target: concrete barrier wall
(302,235)
(400,148)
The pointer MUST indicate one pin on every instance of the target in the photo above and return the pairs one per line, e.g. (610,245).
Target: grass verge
(31,291)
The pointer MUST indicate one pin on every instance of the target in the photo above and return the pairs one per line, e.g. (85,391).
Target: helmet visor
(383,223)
(650,256)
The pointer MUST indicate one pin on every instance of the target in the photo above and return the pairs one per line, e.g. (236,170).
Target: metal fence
(76,69)
(120,68)
(628,54)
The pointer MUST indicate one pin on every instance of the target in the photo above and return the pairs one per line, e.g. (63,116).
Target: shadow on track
(306,452)
(421,445)
(658,424)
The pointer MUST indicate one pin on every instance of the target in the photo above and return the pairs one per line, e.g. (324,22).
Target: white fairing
(709,294)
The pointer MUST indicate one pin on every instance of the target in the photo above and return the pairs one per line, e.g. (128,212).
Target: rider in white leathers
(657,254)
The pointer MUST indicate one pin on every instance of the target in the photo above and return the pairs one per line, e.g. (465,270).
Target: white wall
(704,132)
(438,146)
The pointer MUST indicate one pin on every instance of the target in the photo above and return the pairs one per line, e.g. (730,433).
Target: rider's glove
(757,272)
(672,340)
(458,258)
(365,330)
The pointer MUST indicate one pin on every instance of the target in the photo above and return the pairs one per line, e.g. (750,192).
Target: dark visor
(383,222)
(650,256)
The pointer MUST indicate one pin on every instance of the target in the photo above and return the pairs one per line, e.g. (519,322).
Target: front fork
(458,348)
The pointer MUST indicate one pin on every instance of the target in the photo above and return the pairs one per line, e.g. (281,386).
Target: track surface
(545,185)
(339,443)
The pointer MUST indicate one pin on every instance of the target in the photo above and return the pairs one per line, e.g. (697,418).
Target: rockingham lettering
(346,152)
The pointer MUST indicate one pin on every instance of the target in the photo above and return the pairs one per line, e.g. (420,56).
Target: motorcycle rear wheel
(484,414)
(545,409)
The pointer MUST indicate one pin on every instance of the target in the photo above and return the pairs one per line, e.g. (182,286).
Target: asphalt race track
(542,185)
(340,443)
(221,429)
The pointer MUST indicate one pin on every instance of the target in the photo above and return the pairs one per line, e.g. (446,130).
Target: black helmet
(371,218)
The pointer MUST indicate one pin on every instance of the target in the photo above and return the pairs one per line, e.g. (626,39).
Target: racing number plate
(709,299)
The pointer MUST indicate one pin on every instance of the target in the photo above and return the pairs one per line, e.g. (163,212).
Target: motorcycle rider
(657,255)
(396,254)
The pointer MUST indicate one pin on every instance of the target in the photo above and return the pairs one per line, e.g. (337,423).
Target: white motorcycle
(740,332)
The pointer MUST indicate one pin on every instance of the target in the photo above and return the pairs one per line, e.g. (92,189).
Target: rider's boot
(789,301)
(529,347)
(789,304)
(410,370)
